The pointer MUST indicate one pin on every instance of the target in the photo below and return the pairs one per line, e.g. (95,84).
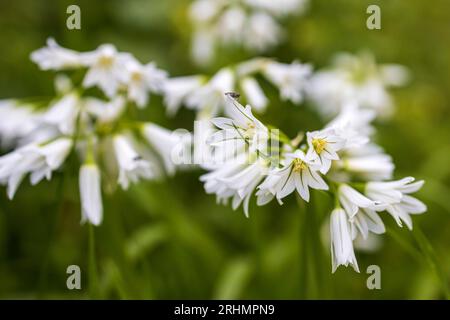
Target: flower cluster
(100,130)
(340,159)
(249,23)
(91,116)
(206,95)
(358,79)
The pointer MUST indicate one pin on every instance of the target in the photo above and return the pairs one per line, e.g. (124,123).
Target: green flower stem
(93,276)
(432,259)
(303,249)
(313,271)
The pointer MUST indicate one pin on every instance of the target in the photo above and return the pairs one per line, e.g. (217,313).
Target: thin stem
(432,259)
(303,246)
(316,248)
(93,277)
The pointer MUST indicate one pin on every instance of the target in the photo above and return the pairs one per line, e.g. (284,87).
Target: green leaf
(234,279)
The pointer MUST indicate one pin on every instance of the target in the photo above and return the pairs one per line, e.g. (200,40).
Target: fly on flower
(340,160)
(92,121)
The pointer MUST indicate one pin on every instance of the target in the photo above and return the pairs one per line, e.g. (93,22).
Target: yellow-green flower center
(105,61)
(136,76)
(319,145)
(299,165)
(250,131)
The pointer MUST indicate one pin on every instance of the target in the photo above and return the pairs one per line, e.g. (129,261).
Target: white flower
(279,7)
(364,221)
(8,174)
(261,32)
(105,111)
(165,142)
(323,146)
(352,201)
(106,68)
(38,160)
(242,127)
(289,78)
(205,10)
(63,84)
(41,135)
(131,166)
(394,74)
(368,162)
(236,179)
(396,195)
(63,113)
(141,79)
(210,97)
(176,90)
(353,124)
(269,188)
(203,151)
(17,121)
(329,92)
(91,194)
(341,241)
(356,78)
(251,24)
(254,94)
(231,24)
(299,173)
(203,43)
(54,57)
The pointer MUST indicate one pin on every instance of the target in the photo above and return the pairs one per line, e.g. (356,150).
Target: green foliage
(169,239)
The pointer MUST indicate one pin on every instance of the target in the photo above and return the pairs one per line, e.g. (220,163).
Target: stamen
(319,145)
(299,165)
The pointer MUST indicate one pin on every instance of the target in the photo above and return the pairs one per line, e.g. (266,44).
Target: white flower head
(395,194)
(242,126)
(366,221)
(131,165)
(300,173)
(342,252)
(63,113)
(368,162)
(323,145)
(290,79)
(205,10)
(141,79)
(63,84)
(356,78)
(261,32)
(353,124)
(176,90)
(166,143)
(106,68)
(55,57)
(352,201)
(38,160)
(17,121)
(279,7)
(251,24)
(230,25)
(91,194)
(254,93)
(236,179)
(203,45)
(210,97)
(105,111)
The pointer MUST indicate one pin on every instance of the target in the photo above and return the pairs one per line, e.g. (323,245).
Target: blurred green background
(168,239)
